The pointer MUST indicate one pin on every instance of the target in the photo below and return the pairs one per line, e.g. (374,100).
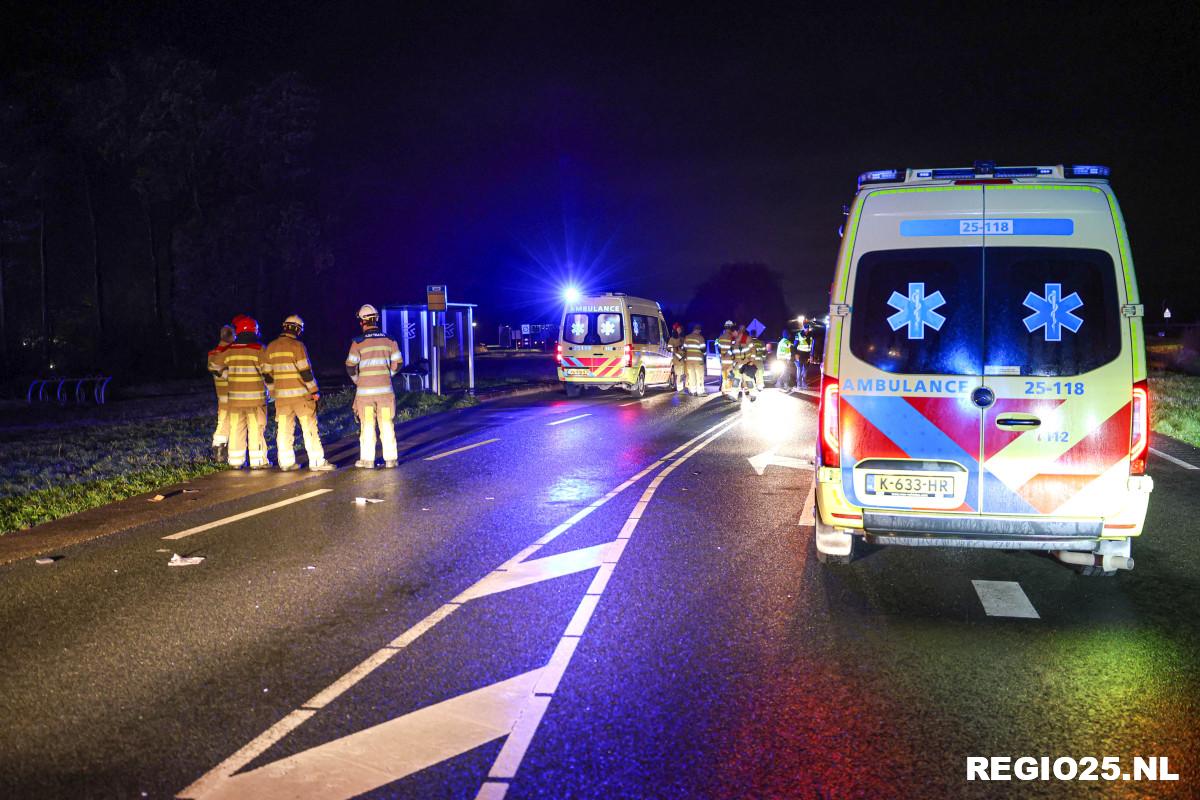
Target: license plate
(576,371)
(910,485)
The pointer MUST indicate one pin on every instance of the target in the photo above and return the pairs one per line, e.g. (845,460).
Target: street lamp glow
(571,294)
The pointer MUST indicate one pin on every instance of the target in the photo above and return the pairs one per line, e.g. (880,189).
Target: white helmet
(368,311)
(294,321)
(728,323)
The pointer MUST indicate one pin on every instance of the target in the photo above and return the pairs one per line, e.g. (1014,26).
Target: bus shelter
(438,347)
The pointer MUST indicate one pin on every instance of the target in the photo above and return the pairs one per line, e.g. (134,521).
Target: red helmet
(244,324)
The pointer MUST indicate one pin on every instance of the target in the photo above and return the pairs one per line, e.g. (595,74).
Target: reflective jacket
(287,363)
(757,350)
(675,345)
(725,345)
(785,348)
(693,348)
(219,381)
(242,365)
(373,359)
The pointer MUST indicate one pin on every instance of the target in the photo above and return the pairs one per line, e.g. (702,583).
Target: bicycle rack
(94,388)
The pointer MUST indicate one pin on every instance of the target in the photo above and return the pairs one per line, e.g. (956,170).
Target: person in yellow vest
(694,354)
(242,365)
(725,351)
(296,396)
(678,364)
(803,352)
(220,440)
(373,359)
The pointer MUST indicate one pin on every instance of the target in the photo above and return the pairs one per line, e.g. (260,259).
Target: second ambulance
(985,371)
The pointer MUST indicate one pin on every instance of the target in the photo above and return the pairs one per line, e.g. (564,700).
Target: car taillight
(558,354)
(1139,435)
(828,416)
(629,355)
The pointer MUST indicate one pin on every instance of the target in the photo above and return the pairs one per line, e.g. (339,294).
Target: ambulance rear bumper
(999,533)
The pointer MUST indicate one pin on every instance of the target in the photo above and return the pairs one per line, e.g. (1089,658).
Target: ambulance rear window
(592,328)
(1050,310)
(917,311)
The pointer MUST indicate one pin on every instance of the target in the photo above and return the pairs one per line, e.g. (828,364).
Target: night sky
(499,147)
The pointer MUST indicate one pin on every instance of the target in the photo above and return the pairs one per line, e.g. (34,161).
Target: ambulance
(611,340)
(985,369)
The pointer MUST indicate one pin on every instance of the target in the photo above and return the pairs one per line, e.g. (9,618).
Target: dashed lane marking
(214,781)
(461,449)
(1004,599)
(568,419)
(1176,461)
(218,523)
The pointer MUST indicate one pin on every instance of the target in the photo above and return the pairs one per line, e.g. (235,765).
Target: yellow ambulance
(985,370)
(610,340)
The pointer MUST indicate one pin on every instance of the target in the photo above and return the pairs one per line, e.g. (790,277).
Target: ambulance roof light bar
(881,176)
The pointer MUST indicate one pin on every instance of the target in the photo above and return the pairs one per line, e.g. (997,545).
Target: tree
(741,292)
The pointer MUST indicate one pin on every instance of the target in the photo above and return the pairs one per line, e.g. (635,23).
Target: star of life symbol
(1053,312)
(916,311)
(578,329)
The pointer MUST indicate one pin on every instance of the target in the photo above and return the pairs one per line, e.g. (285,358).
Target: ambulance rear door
(1057,353)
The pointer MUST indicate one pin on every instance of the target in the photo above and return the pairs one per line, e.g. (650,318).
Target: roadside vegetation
(59,466)
(1175,406)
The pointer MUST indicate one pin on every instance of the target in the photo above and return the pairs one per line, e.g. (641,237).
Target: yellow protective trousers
(695,377)
(246,429)
(285,435)
(384,414)
(221,435)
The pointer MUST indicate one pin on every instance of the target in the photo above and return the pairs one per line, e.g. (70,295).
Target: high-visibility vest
(693,348)
(725,346)
(287,362)
(242,365)
(804,344)
(785,347)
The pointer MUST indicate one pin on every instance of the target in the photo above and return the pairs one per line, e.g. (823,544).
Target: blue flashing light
(925,173)
(985,167)
(1088,171)
(571,294)
(1018,172)
(881,176)
(1045,171)
(953,174)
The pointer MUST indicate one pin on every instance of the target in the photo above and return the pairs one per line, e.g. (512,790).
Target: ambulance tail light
(1139,439)
(558,354)
(628,355)
(828,415)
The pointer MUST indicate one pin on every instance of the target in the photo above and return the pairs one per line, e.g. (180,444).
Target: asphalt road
(601,598)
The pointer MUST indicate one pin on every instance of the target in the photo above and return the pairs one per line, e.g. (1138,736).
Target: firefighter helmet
(728,323)
(367,311)
(294,324)
(677,327)
(245,324)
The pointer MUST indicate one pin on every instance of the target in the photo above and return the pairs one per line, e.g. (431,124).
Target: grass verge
(1175,406)
(52,470)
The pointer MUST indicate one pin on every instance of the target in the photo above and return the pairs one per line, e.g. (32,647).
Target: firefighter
(783,354)
(725,350)
(694,355)
(743,361)
(758,353)
(220,440)
(675,346)
(242,364)
(373,359)
(296,397)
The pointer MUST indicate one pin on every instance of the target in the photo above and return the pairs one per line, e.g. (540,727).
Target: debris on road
(362,501)
(310,566)
(184,561)
(158,498)
(46,559)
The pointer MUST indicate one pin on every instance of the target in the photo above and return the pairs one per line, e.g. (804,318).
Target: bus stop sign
(435,298)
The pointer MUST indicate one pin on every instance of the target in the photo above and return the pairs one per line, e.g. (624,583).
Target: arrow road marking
(761,461)
(327,768)
(387,752)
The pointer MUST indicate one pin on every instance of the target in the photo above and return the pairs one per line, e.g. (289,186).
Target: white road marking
(568,419)
(224,772)
(530,572)
(630,403)
(1004,599)
(761,461)
(1176,461)
(808,511)
(461,449)
(210,525)
(384,753)
(517,742)
(493,790)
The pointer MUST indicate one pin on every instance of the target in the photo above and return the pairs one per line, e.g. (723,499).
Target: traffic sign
(756,328)
(435,297)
